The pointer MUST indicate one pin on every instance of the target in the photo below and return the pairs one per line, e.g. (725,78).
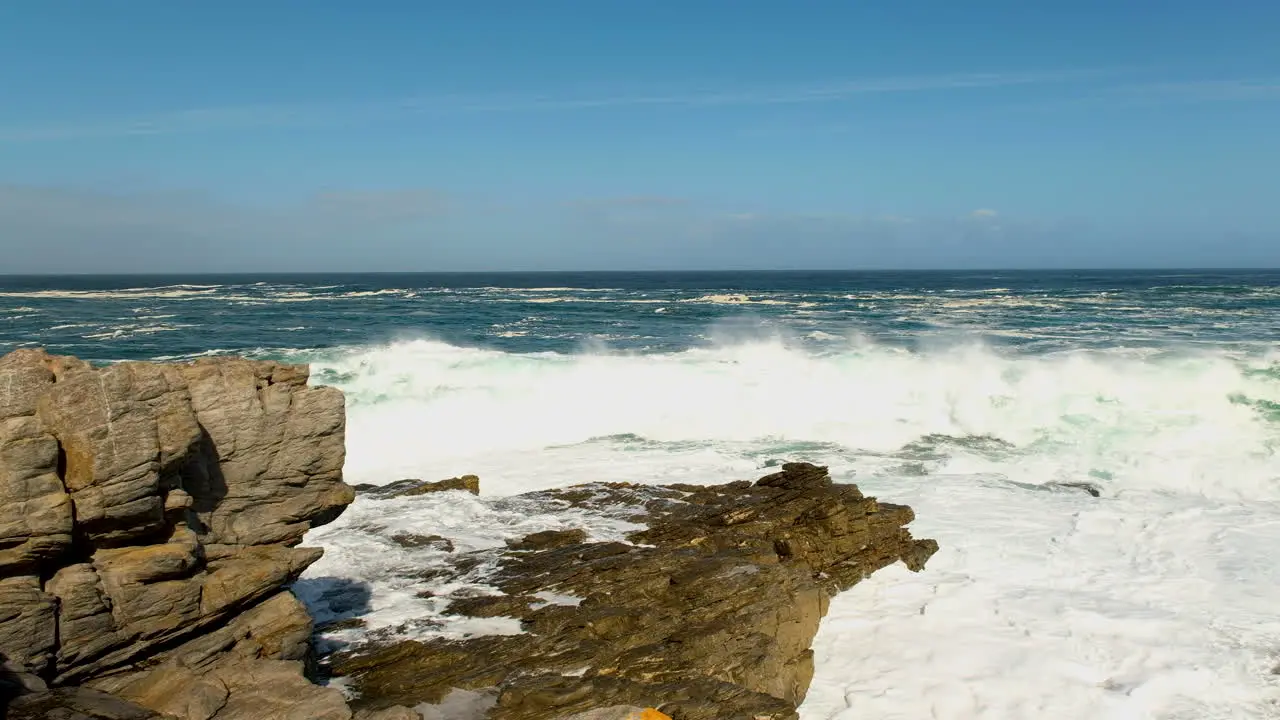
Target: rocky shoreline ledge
(150,522)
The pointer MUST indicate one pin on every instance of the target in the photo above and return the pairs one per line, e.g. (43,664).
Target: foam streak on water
(986,401)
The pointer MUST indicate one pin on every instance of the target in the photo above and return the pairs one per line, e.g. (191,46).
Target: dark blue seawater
(141,317)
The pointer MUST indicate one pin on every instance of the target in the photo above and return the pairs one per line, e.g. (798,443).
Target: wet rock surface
(149,522)
(708,612)
(410,487)
(1089,489)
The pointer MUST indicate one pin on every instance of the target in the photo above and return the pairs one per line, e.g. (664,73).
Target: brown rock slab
(709,612)
(409,540)
(75,703)
(549,539)
(410,487)
(236,688)
(392,713)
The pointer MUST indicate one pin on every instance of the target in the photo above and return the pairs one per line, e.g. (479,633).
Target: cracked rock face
(707,613)
(149,518)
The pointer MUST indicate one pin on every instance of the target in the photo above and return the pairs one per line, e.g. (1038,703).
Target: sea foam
(1155,599)
(1196,423)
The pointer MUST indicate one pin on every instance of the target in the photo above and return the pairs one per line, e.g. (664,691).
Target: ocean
(1095,451)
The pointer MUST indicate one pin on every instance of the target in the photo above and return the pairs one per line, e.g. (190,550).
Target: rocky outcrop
(406,488)
(150,522)
(707,613)
(149,518)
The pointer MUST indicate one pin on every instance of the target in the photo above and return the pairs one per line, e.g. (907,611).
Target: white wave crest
(135,329)
(1124,420)
(735,299)
(166,291)
(1155,600)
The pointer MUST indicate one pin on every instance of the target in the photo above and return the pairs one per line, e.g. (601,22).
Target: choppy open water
(972,397)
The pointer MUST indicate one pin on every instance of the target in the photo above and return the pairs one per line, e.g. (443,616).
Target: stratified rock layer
(708,613)
(149,515)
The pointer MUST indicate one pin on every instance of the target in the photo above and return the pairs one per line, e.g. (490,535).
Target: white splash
(1124,420)
(1156,600)
(379,555)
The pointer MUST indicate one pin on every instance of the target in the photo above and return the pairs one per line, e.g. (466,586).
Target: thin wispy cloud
(1155,94)
(1206,90)
(644,201)
(303,114)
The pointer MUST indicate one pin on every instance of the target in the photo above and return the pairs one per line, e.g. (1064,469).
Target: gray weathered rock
(110,438)
(248,669)
(132,599)
(161,504)
(28,624)
(35,510)
(257,452)
(279,452)
(86,626)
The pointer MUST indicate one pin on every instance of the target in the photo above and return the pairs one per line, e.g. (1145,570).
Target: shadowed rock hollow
(708,613)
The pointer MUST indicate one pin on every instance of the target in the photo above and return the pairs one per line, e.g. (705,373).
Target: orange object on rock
(651,714)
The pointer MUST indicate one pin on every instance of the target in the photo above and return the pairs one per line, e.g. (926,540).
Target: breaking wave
(1195,422)
(1106,517)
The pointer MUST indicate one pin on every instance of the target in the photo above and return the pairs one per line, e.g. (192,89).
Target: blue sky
(162,136)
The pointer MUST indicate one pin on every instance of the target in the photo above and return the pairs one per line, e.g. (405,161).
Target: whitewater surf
(1096,454)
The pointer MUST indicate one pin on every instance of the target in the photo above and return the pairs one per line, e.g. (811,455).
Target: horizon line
(704,271)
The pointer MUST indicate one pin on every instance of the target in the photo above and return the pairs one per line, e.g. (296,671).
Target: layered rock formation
(709,613)
(150,522)
(149,518)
